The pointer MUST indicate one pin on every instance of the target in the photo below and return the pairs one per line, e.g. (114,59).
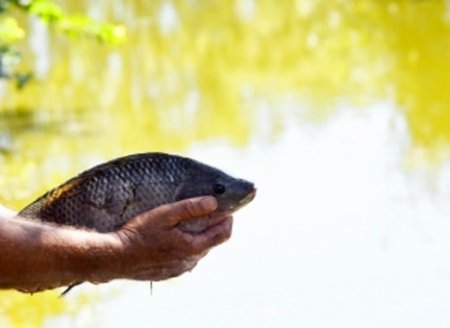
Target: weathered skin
(36,255)
(107,196)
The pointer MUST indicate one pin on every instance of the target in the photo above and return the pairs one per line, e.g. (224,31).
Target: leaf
(78,26)
(10,31)
(22,79)
(8,58)
(47,11)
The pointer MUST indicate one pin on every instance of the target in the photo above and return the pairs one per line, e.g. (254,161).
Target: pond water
(337,111)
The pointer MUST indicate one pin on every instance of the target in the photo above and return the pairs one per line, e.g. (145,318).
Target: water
(335,109)
(339,236)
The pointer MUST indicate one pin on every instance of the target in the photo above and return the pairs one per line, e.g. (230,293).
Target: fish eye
(219,188)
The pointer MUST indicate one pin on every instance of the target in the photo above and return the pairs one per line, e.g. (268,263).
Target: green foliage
(10,31)
(74,26)
(45,10)
(3,4)
(8,58)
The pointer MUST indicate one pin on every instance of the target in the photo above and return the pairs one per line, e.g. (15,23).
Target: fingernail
(209,203)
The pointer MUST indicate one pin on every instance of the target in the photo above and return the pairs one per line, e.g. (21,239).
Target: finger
(212,236)
(166,271)
(172,214)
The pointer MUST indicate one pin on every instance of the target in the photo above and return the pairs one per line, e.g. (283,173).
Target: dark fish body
(106,196)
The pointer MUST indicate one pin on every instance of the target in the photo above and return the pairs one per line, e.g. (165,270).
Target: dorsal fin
(68,188)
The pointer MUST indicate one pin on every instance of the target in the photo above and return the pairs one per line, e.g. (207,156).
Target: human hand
(36,255)
(152,247)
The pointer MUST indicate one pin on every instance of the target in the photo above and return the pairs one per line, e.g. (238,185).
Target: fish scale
(106,196)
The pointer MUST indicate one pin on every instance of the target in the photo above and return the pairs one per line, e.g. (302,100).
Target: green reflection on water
(23,311)
(19,310)
(208,63)
(204,71)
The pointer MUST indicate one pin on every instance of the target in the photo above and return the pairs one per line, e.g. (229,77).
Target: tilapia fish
(106,196)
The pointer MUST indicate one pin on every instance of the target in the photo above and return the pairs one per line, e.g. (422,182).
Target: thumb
(191,208)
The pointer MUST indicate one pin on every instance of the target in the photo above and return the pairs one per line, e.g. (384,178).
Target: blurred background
(338,110)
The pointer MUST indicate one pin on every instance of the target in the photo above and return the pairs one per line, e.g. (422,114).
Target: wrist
(102,260)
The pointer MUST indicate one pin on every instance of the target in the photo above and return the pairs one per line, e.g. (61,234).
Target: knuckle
(190,208)
(189,239)
(218,238)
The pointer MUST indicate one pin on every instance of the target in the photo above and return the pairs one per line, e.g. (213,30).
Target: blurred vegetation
(17,309)
(221,60)
(24,311)
(192,71)
(74,26)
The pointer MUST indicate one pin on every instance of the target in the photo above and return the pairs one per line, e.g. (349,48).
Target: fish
(107,196)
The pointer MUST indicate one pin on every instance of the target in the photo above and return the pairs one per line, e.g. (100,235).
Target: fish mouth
(244,201)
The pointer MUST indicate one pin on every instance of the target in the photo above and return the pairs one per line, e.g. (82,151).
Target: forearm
(39,256)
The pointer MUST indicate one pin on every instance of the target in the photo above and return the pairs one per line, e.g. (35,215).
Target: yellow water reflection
(199,70)
(214,58)
(19,310)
